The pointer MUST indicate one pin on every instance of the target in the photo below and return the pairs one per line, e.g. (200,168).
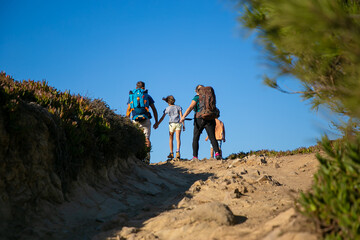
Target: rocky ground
(250,198)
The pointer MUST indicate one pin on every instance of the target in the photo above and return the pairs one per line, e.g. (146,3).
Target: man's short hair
(140,84)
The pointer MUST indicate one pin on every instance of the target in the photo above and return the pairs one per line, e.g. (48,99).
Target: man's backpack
(139,104)
(207,104)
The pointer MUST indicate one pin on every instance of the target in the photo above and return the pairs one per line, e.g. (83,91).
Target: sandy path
(121,200)
(250,198)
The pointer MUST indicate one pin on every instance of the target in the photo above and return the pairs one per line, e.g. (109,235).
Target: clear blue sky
(100,49)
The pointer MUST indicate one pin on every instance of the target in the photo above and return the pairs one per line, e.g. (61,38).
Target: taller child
(199,125)
(175,113)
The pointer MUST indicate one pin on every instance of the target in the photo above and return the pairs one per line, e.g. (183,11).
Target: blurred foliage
(94,134)
(334,202)
(318,43)
(274,153)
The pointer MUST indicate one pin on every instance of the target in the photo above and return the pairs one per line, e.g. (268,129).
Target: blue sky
(100,49)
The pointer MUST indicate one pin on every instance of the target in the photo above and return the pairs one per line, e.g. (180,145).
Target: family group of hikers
(205,117)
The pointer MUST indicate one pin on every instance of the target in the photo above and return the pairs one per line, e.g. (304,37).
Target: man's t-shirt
(174,113)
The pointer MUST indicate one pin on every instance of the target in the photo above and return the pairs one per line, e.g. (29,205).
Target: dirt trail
(250,198)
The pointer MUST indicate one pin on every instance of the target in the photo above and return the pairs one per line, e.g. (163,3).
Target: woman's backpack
(207,104)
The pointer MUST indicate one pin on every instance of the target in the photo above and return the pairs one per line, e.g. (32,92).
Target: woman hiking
(199,125)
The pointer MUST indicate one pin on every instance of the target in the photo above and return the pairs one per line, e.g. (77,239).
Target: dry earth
(249,198)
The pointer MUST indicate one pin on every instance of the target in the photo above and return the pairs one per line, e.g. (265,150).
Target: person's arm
(223,132)
(190,108)
(155,112)
(128,111)
(158,123)
(183,122)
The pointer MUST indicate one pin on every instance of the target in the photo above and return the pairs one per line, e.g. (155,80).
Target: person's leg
(198,128)
(211,152)
(146,127)
(171,140)
(178,142)
(220,144)
(210,129)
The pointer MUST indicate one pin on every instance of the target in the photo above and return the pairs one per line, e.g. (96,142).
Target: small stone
(213,212)
(263,178)
(236,194)
(244,171)
(128,230)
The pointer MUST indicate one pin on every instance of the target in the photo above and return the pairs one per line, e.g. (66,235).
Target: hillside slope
(50,141)
(34,177)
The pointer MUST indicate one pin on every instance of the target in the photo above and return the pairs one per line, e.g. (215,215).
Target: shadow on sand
(153,189)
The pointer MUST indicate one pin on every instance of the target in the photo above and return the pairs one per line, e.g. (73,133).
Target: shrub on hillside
(93,132)
(273,153)
(334,202)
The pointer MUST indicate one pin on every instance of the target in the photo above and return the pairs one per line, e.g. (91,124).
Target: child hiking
(219,136)
(175,114)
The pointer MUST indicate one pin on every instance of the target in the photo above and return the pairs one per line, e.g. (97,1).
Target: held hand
(156,125)
(182,119)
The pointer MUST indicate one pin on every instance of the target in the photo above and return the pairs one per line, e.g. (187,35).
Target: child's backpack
(139,104)
(207,104)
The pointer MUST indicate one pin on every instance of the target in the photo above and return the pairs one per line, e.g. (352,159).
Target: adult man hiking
(138,107)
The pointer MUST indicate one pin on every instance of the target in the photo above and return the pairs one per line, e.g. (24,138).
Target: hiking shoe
(171,156)
(178,155)
(218,156)
(194,159)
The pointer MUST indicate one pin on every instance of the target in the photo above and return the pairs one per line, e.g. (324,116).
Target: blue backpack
(139,104)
